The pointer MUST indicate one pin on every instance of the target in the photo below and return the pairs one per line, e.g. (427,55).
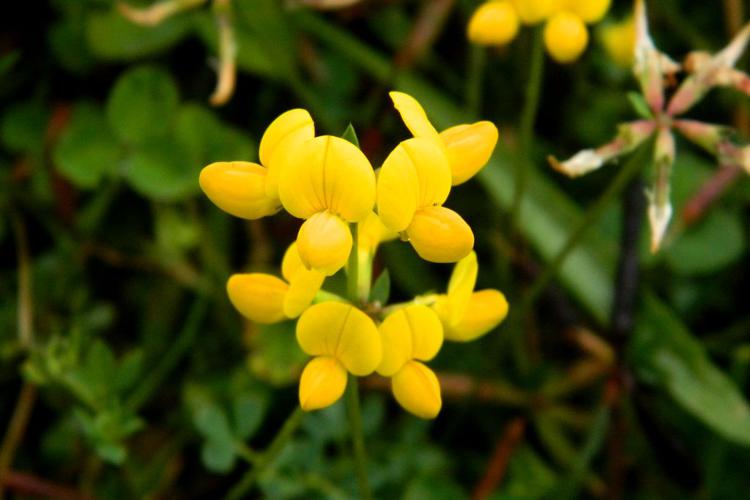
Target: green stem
(25,299)
(634,165)
(177,349)
(269,455)
(16,428)
(352,271)
(526,128)
(358,441)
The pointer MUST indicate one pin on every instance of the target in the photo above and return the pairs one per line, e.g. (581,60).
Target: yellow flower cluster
(496,22)
(329,183)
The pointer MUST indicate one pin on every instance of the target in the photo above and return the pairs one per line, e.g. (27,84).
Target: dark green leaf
(275,355)
(111,36)
(665,354)
(218,456)
(712,244)
(381,290)
(142,105)
(247,411)
(23,126)
(87,150)
(162,171)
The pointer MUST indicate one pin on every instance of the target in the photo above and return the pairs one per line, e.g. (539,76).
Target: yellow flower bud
(412,332)
(461,286)
(619,41)
(322,383)
(238,188)
(417,389)
(566,37)
(590,11)
(343,332)
(324,243)
(493,23)
(469,148)
(535,11)
(283,135)
(258,297)
(486,309)
(303,283)
(439,234)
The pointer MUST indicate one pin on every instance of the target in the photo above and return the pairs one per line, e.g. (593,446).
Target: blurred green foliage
(149,384)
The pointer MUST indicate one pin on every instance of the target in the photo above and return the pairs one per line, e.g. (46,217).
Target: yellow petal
(322,383)
(343,332)
(328,173)
(372,232)
(486,309)
(282,136)
(412,332)
(413,115)
(534,11)
(303,287)
(619,41)
(259,297)
(417,390)
(469,148)
(237,187)
(590,11)
(439,234)
(291,263)
(461,286)
(493,23)
(416,174)
(324,242)
(565,37)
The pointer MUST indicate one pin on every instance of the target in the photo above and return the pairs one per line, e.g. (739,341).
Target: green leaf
(433,488)
(129,370)
(212,423)
(218,456)
(207,139)
(711,245)
(162,171)
(142,104)
(350,135)
(23,126)
(87,150)
(247,411)
(640,106)
(100,368)
(664,353)
(111,36)
(381,290)
(275,355)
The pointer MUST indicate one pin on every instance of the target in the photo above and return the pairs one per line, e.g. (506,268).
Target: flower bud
(417,389)
(322,383)
(469,148)
(440,235)
(258,297)
(238,188)
(565,37)
(493,23)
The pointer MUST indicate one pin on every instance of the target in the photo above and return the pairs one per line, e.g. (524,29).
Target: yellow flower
(248,190)
(565,36)
(590,11)
(619,41)
(466,314)
(409,334)
(535,11)
(264,298)
(413,184)
(493,23)
(469,146)
(328,182)
(342,339)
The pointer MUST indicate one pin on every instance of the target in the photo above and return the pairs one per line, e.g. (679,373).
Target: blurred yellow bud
(565,37)
(619,41)
(535,11)
(439,234)
(283,136)
(417,389)
(343,332)
(322,383)
(590,11)
(493,23)
(258,297)
(238,188)
(469,148)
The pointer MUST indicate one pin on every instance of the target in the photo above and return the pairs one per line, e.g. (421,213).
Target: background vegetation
(125,372)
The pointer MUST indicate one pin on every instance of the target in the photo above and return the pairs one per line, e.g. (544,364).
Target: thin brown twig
(498,464)
(712,190)
(16,429)
(424,32)
(28,484)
